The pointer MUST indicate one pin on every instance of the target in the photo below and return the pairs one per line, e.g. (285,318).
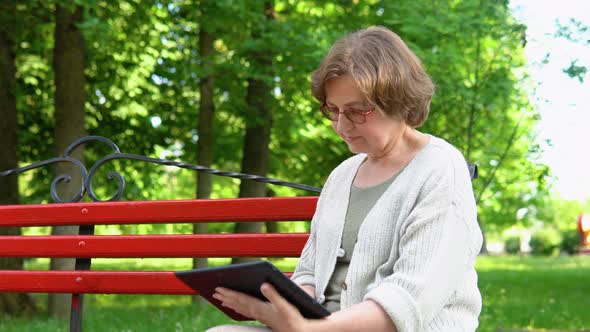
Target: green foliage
(570,241)
(575,31)
(576,71)
(561,213)
(512,244)
(545,241)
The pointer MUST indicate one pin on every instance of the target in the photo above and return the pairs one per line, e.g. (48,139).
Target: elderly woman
(394,236)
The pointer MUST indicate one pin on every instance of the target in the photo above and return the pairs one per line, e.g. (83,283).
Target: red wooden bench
(79,282)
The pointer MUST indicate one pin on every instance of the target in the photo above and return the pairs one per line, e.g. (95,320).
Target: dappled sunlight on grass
(534,292)
(531,263)
(136,301)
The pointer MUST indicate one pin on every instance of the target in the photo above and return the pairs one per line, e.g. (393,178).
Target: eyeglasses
(354,115)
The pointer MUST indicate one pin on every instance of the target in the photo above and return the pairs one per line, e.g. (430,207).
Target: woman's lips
(349,139)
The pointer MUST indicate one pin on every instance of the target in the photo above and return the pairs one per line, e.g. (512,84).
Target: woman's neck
(400,148)
(377,169)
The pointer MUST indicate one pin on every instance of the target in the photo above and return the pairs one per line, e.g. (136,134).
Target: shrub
(570,241)
(512,245)
(545,241)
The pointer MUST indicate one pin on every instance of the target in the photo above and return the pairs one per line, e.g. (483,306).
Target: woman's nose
(343,123)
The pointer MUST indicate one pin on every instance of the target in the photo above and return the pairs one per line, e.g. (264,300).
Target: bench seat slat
(123,246)
(153,212)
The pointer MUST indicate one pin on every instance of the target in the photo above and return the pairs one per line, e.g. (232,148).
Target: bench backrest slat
(120,246)
(94,282)
(152,212)
(97,282)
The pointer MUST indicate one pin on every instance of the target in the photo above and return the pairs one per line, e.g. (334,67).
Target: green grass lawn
(518,293)
(535,293)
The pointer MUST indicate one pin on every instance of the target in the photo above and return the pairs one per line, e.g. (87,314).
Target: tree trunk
(10,303)
(271,226)
(255,158)
(205,128)
(70,96)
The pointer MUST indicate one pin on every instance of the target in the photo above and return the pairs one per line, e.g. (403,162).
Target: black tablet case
(247,278)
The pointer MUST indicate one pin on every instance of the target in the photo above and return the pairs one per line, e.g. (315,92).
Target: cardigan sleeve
(305,271)
(434,252)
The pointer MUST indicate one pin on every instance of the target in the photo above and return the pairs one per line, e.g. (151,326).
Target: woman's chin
(354,148)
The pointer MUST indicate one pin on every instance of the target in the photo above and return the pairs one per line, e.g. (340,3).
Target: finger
(242,303)
(224,295)
(275,298)
(230,296)
(226,291)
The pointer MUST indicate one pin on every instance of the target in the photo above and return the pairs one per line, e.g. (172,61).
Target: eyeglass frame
(347,111)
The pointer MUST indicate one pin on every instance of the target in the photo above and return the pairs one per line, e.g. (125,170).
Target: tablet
(247,278)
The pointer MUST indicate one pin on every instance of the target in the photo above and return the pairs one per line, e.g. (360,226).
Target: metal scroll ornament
(87,176)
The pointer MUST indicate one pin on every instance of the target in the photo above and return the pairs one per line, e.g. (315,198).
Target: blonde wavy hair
(387,72)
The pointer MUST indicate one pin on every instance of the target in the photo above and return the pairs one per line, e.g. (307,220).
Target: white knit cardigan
(416,247)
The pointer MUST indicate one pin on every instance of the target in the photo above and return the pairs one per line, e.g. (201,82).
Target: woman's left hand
(278,314)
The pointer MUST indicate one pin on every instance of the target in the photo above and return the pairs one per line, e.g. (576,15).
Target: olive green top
(360,203)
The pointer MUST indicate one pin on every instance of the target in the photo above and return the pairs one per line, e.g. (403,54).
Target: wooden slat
(93,282)
(118,246)
(151,212)
(107,282)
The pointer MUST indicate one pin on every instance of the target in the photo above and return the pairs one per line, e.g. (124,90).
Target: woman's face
(373,137)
